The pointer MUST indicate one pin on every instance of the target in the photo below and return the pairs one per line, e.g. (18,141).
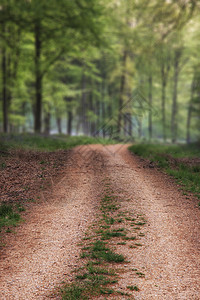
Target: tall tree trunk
(127,124)
(69,123)
(121,93)
(47,120)
(84,104)
(165,68)
(189,113)
(4,90)
(130,128)
(58,121)
(110,109)
(139,121)
(98,122)
(174,100)
(69,116)
(150,106)
(92,109)
(38,78)
(103,118)
(163,111)
(103,92)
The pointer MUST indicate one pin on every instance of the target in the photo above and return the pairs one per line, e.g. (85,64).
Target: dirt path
(44,250)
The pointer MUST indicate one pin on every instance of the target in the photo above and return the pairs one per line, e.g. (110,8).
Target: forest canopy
(101,68)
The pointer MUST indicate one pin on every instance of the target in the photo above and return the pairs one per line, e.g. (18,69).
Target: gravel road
(43,252)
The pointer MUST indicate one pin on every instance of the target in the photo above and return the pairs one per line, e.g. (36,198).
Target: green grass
(100,251)
(74,292)
(43,143)
(176,151)
(133,288)
(140,274)
(108,234)
(187,176)
(8,216)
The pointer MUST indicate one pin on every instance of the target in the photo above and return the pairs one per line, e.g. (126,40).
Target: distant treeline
(107,68)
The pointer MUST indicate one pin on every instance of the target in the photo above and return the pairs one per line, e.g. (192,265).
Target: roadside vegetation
(9,216)
(180,161)
(46,143)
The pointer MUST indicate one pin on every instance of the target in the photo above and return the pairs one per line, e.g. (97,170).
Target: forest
(114,68)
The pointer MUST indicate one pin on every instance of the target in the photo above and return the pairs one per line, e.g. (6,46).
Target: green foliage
(133,288)
(176,151)
(8,217)
(74,292)
(81,64)
(44,143)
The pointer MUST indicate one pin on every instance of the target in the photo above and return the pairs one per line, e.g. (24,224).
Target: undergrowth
(9,216)
(187,176)
(46,143)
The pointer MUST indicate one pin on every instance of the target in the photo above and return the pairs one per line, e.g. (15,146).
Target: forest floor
(161,244)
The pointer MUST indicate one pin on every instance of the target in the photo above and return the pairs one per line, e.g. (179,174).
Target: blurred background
(106,68)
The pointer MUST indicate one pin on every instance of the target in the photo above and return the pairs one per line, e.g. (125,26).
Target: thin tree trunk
(83,104)
(38,78)
(69,123)
(4,89)
(69,116)
(103,118)
(125,124)
(98,122)
(103,104)
(139,127)
(122,87)
(174,100)
(150,107)
(110,109)
(47,120)
(130,128)
(165,68)
(92,109)
(189,114)
(58,121)
(163,76)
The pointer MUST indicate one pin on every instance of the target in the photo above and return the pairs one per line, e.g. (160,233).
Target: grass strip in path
(101,264)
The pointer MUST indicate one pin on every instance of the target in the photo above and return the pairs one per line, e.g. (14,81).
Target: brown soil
(44,250)
(24,174)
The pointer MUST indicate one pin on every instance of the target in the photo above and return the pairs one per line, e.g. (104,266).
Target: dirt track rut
(44,251)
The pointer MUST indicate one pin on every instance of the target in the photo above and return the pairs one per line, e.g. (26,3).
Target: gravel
(44,250)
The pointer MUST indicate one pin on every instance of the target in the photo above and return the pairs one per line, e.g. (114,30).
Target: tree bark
(174,100)
(164,76)
(92,109)
(58,121)
(69,123)
(38,78)
(121,93)
(69,117)
(47,120)
(139,121)
(84,104)
(4,90)
(189,114)
(98,122)
(150,107)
